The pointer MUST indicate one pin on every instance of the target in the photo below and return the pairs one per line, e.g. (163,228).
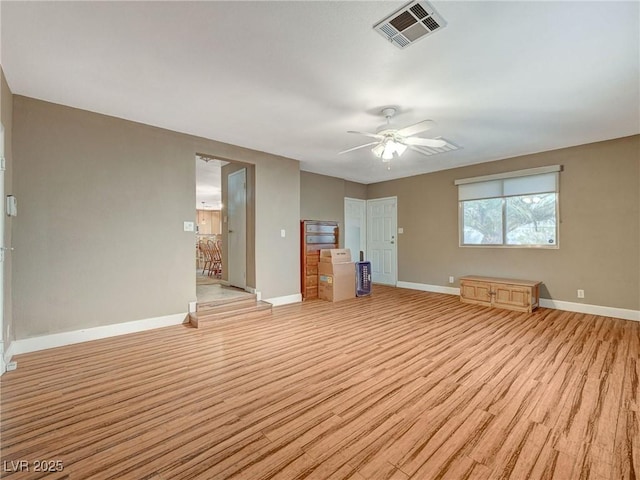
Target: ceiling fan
(390,141)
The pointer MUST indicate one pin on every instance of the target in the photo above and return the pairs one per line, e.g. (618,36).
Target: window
(516,209)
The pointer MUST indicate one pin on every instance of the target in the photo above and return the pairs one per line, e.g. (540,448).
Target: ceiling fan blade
(424,142)
(420,150)
(416,128)
(358,147)
(367,134)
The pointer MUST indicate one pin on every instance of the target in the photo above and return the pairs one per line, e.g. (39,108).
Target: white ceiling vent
(449,147)
(412,22)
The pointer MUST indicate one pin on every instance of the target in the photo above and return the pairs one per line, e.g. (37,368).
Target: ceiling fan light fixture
(392,141)
(378,150)
(400,148)
(387,148)
(392,147)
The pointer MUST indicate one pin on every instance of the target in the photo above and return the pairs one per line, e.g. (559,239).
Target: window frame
(503,198)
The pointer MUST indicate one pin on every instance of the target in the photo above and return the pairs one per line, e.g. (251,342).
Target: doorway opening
(355,227)
(221,242)
(371,227)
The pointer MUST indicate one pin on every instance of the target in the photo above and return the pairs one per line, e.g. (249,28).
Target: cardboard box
(340,270)
(335,255)
(336,281)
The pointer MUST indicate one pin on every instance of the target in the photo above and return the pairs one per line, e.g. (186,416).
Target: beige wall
(322,198)
(599,231)
(355,190)
(102,204)
(99,235)
(278,208)
(6,116)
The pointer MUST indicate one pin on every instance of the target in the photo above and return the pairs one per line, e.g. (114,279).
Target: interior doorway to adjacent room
(221,230)
(371,227)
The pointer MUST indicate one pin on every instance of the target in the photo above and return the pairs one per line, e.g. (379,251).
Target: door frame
(355,256)
(395,243)
(3,248)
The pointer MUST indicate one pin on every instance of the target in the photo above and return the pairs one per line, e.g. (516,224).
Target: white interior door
(381,239)
(355,227)
(237,228)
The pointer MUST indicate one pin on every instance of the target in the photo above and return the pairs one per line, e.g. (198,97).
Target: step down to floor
(249,298)
(238,310)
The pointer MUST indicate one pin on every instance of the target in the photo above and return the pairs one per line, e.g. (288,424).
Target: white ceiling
(290,78)
(208,183)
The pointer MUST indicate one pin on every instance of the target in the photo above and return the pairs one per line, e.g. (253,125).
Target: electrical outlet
(12,366)
(450,279)
(580,293)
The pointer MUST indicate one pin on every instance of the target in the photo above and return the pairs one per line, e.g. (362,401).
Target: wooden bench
(519,295)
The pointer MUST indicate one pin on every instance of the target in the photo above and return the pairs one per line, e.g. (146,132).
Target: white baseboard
(43,342)
(254,291)
(544,302)
(429,288)
(623,313)
(27,345)
(6,357)
(9,352)
(246,289)
(286,300)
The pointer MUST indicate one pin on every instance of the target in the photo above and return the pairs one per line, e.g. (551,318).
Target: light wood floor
(400,385)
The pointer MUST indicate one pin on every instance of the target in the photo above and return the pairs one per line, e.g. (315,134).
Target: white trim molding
(623,313)
(44,342)
(2,358)
(615,312)
(285,300)
(429,288)
(8,354)
(257,293)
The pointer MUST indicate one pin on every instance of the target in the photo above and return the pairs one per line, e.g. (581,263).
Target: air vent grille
(431,23)
(401,41)
(418,11)
(412,22)
(389,30)
(415,32)
(402,21)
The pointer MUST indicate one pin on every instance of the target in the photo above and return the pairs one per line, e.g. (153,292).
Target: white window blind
(475,191)
(522,182)
(514,209)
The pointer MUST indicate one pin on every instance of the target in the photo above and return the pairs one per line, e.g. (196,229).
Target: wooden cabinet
(208,221)
(519,295)
(314,236)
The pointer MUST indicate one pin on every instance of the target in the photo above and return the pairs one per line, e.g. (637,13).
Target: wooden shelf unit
(519,295)
(315,235)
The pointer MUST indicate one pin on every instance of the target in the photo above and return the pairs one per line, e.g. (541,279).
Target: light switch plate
(189,226)
(400,230)
(283,233)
